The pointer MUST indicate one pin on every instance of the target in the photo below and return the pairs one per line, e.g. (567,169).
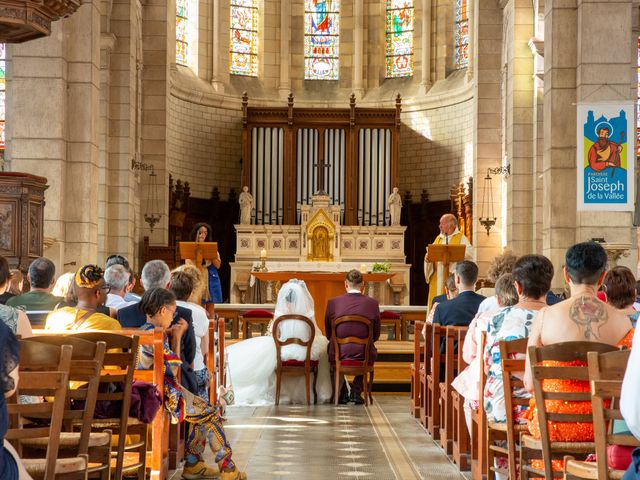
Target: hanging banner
(606,156)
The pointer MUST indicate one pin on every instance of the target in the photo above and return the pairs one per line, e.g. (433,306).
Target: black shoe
(344,396)
(357,399)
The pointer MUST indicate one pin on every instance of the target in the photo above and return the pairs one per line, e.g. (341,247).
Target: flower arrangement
(384,267)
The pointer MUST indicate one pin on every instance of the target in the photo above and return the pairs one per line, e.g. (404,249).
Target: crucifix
(320,175)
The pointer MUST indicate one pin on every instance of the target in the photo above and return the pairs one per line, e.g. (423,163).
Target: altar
(322,286)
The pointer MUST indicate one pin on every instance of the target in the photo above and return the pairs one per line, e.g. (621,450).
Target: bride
(252,362)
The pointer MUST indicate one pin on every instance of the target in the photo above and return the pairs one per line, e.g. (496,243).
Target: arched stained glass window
(461,33)
(187,33)
(244,38)
(3,64)
(399,38)
(321,39)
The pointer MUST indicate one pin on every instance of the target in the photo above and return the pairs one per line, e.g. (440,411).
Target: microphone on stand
(446,239)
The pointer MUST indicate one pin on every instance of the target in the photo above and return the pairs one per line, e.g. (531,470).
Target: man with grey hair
(156,274)
(353,303)
(119,279)
(449,235)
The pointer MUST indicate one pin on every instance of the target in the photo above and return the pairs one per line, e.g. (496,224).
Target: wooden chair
(606,372)
(118,368)
(432,402)
(532,448)
(509,430)
(425,371)
(459,432)
(389,318)
(479,425)
(450,372)
(86,364)
(261,317)
(416,370)
(214,361)
(44,371)
(295,367)
(353,367)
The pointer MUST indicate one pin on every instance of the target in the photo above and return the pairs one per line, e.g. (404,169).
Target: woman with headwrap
(10,466)
(252,362)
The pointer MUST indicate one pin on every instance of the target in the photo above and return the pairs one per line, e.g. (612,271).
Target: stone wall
(204,146)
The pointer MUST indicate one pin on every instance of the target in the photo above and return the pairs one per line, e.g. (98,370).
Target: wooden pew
(479,426)
(158,450)
(215,358)
(416,368)
(425,371)
(459,432)
(450,372)
(432,403)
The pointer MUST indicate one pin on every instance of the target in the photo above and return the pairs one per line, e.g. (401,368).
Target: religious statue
(246,205)
(320,243)
(395,207)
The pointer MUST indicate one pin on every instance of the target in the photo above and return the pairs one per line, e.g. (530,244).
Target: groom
(353,303)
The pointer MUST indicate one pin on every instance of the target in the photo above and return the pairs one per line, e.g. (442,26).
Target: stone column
(216,79)
(358,35)
(487,124)
(518,16)
(285,48)
(425,45)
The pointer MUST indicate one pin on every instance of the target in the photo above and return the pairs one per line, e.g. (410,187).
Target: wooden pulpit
(445,254)
(197,252)
(21,218)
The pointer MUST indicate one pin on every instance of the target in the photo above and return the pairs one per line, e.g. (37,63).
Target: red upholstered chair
(263,317)
(353,367)
(296,367)
(393,319)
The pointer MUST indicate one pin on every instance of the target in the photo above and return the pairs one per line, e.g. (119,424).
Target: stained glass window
(399,38)
(3,50)
(244,38)
(461,33)
(321,39)
(187,33)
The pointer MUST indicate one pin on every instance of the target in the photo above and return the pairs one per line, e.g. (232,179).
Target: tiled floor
(326,442)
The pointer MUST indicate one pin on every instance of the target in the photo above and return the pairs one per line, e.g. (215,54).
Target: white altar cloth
(275,266)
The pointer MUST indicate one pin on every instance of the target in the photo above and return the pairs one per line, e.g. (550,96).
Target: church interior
(382,148)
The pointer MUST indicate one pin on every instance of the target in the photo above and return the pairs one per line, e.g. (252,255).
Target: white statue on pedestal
(246,205)
(395,207)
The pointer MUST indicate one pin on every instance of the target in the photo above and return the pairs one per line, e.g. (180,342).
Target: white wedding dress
(252,362)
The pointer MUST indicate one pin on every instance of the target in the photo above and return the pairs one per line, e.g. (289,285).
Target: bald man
(449,234)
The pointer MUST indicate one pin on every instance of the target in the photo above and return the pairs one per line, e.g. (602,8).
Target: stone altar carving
(395,207)
(246,206)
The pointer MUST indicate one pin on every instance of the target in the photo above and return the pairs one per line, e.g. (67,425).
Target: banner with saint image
(606,156)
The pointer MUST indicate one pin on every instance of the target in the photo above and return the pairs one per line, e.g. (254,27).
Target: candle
(263,253)
(363,268)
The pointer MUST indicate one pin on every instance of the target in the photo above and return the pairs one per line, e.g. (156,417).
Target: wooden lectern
(197,252)
(445,254)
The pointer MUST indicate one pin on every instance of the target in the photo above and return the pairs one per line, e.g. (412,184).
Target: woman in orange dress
(582,317)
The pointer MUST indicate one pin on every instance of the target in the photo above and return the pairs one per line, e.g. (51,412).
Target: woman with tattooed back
(582,317)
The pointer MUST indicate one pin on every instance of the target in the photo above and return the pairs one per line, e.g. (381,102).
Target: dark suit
(353,304)
(132,317)
(439,299)
(458,311)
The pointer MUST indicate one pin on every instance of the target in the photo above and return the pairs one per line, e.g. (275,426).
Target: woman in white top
(252,362)
(183,282)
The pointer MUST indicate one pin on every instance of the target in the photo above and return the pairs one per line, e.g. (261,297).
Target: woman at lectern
(213,293)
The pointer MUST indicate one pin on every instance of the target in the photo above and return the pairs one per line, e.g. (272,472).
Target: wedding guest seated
(14,286)
(91,291)
(467,381)
(630,406)
(120,260)
(119,278)
(159,306)
(499,266)
(13,318)
(353,303)
(582,317)
(64,288)
(156,274)
(620,291)
(182,284)
(38,301)
(461,310)
(11,467)
(63,285)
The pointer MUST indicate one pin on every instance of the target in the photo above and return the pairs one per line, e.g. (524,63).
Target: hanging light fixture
(487,198)
(152,213)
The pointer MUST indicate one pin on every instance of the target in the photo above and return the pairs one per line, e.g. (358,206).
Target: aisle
(326,442)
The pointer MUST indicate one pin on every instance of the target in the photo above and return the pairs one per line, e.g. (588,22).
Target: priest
(449,234)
